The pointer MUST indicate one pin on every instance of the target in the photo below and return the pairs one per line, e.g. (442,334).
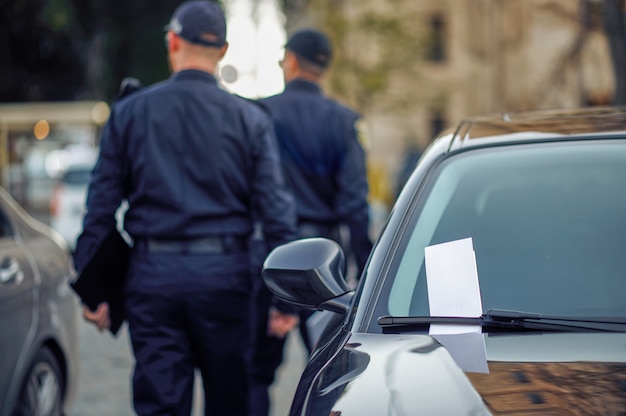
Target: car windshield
(547,226)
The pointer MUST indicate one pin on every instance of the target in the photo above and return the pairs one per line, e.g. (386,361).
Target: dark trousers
(186,312)
(269,350)
(267,356)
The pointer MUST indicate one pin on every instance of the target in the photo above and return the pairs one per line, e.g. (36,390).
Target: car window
(546,224)
(77,176)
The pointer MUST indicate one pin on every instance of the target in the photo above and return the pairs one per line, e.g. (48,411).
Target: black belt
(204,245)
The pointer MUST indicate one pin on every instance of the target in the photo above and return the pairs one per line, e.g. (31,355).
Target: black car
(498,285)
(39,316)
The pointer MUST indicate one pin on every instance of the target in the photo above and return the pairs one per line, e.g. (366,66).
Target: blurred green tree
(295,12)
(37,60)
(56,50)
(372,47)
(121,38)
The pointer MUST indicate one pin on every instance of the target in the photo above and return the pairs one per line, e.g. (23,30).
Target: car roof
(544,125)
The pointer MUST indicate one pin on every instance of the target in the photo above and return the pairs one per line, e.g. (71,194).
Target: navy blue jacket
(192,160)
(323,160)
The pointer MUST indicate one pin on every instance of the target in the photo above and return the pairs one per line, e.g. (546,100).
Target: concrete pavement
(106,369)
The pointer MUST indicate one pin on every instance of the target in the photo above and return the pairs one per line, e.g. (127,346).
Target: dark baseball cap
(311,45)
(199,21)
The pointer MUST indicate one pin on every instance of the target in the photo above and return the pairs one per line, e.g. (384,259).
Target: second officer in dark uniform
(190,159)
(324,163)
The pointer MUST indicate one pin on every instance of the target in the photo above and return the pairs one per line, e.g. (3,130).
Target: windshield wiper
(535,320)
(386,321)
(499,318)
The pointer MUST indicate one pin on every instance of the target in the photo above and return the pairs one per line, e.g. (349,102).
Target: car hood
(554,373)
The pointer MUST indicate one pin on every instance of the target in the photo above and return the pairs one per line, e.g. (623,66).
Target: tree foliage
(295,12)
(372,48)
(122,38)
(37,57)
(80,49)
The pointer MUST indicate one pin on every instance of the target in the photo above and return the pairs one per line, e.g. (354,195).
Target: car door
(17,305)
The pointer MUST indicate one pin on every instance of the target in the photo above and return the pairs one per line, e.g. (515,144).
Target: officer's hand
(279,324)
(100,317)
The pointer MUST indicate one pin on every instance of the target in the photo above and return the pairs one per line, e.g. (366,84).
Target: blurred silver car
(67,205)
(39,316)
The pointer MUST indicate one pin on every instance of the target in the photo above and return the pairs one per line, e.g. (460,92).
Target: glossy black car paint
(361,368)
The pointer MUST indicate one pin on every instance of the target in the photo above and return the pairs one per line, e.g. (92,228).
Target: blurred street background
(411,68)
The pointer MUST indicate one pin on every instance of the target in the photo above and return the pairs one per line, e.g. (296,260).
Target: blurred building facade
(486,56)
(464,58)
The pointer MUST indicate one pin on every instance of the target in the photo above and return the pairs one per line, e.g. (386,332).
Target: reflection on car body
(39,316)
(541,196)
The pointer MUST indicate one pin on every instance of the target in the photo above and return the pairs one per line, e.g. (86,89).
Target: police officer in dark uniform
(191,160)
(324,163)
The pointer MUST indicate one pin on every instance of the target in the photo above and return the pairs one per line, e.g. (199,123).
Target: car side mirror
(309,273)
